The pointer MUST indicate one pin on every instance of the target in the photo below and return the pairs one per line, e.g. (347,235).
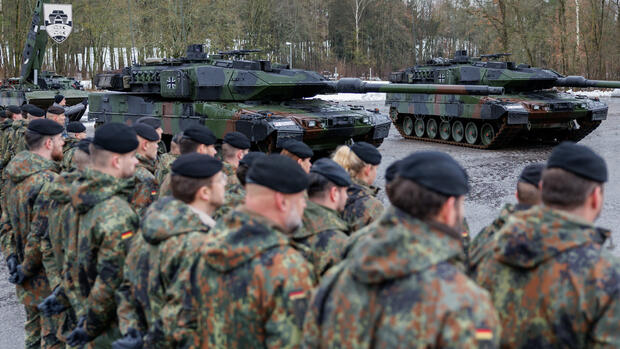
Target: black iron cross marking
(171,83)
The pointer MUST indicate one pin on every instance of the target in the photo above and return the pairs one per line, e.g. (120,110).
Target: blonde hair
(346,158)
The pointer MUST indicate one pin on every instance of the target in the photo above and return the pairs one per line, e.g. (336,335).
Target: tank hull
(41,98)
(495,121)
(320,124)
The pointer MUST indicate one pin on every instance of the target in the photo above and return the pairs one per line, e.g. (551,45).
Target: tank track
(504,137)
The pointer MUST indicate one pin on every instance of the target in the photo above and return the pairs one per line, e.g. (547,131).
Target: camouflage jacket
(27,174)
(164,187)
(553,285)
(171,233)
(68,150)
(13,140)
(323,232)
(163,166)
(235,196)
(362,206)
(98,238)
(248,289)
(400,288)
(5,128)
(145,191)
(231,175)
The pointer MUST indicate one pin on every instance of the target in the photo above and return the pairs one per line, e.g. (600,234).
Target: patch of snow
(88,84)
(597,93)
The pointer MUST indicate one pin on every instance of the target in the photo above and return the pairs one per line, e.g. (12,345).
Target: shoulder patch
(294,295)
(484,334)
(126,235)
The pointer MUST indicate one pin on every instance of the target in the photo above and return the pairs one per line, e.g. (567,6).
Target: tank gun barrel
(580,81)
(352,85)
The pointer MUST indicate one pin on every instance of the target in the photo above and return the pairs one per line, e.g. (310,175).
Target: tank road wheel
(487,133)
(458,131)
(471,132)
(407,125)
(444,130)
(431,128)
(419,127)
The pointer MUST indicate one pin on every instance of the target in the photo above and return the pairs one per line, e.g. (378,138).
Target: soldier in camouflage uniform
(155,123)
(18,139)
(403,286)
(550,279)
(6,128)
(248,285)
(234,148)
(235,195)
(323,230)
(196,139)
(76,131)
(99,236)
(47,232)
(528,195)
(172,231)
(298,151)
(146,188)
(361,161)
(27,173)
(165,160)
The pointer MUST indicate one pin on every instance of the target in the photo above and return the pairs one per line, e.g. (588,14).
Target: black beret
(14,109)
(579,160)
(237,140)
(58,98)
(329,169)
(116,137)
(200,134)
(392,171)
(249,158)
(195,165)
(83,144)
(2,113)
(531,174)
(435,171)
(367,152)
(45,127)
(36,111)
(300,149)
(26,107)
(76,127)
(147,132)
(279,173)
(56,110)
(150,120)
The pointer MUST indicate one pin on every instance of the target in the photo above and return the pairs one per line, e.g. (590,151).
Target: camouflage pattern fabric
(27,174)
(164,187)
(362,206)
(98,238)
(5,130)
(323,232)
(163,166)
(248,288)
(11,138)
(231,175)
(235,196)
(68,151)
(171,234)
(552,283)
(146,185)
(400,287)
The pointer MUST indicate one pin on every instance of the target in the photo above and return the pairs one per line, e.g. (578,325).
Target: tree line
(352,37)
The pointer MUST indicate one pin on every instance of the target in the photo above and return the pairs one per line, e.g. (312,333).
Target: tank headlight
(584,105)
(366,120)
(536,107)
(312,123)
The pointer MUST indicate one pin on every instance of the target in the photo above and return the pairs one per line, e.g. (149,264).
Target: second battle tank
(531,108)
(266,101)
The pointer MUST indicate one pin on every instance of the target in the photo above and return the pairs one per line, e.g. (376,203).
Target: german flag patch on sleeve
(296,295)
(484,334)
(126,235)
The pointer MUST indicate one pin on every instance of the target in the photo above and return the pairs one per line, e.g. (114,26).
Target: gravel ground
(493,179)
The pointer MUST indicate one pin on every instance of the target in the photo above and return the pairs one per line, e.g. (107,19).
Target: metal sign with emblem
(58,21)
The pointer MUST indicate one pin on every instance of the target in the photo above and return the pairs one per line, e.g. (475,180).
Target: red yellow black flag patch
(126,235)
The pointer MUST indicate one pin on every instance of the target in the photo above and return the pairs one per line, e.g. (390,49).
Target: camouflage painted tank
(531,109)
(266,101)
(36,86)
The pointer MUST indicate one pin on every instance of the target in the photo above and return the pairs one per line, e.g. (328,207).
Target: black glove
(132,340)
(50,305)
(79,337)
(85,101)
(18,276)
(12,263)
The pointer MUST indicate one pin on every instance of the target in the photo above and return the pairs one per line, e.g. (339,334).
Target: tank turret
(531,108)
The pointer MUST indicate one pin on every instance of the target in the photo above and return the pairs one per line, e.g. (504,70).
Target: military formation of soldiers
(112,241)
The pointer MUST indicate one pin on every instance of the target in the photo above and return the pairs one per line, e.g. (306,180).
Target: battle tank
(531,109)
(36,86)
(266,101)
